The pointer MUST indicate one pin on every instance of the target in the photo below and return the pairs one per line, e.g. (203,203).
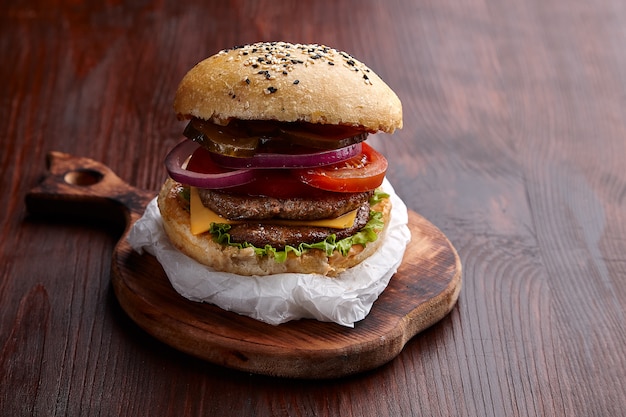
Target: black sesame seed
(255,65)
(272,90)
(296,81)
(350,62)
(331,63)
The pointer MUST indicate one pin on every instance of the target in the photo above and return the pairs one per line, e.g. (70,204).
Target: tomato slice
(363,172)
(277,183)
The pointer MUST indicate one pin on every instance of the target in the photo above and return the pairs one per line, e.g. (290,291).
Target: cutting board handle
(82,188)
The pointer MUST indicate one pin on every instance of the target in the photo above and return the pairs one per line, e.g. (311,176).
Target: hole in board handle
(83,177)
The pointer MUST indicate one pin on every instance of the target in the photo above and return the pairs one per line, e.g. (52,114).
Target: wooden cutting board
(424,289)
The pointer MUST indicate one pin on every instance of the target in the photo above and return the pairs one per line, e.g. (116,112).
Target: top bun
(288,83)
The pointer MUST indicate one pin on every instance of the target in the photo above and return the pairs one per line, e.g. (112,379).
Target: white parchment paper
(279,298)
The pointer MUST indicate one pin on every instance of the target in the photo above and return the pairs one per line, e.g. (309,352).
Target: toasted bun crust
(288,83)
(203,249)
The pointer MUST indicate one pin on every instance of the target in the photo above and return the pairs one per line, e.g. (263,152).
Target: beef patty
(242,207)
(259,234)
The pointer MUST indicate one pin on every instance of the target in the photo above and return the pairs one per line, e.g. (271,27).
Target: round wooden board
(424,289)
(422,292)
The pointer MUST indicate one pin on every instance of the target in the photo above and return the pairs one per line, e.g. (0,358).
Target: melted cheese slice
(202,217)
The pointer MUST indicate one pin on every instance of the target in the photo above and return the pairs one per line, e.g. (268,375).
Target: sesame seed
(271,59)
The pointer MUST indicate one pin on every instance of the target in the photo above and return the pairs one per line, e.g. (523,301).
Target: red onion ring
(179,154)
(272,160)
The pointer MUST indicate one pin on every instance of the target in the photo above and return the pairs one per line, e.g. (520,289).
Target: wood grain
(513,146)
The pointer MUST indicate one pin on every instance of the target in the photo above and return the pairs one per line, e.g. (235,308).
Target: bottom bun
(205,250)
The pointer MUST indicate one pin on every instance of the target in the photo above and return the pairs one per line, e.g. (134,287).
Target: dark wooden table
(514,145)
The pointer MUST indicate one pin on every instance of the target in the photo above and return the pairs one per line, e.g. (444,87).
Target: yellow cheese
(202,217)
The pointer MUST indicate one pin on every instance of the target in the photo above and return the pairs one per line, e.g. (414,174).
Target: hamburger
(275,174)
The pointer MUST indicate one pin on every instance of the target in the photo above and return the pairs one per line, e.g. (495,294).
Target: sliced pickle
(244,138)
(309,135)
(265,128)
(326,137)
(225,140)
